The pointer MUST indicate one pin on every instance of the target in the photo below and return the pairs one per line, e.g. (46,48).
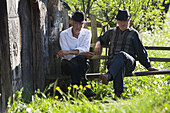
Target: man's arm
(61,53)
(142,53)
(104,40)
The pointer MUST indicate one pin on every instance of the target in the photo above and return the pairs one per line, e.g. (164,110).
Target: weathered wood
(147,47)
(66,19)
(151,59)
(38,23)
(28,48)
(94,64)
(53,77)
(96,75)
(55,26)
(145,73)
(141,73)
(15,43)
(5,67)
(24,11)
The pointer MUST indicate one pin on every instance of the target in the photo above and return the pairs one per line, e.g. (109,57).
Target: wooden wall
(29,31)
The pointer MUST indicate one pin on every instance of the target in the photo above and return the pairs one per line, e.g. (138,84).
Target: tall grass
(147,96)
(150,94)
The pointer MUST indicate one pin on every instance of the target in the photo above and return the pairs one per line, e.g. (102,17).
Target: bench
(140,73)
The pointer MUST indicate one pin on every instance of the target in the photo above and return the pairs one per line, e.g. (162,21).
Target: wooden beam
(157,48)
(94,64)
(151,59)
(141,73)
(147,47)
(160,59)
(96,75)
(144,73)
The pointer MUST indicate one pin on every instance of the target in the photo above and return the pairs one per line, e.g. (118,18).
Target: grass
(150,94)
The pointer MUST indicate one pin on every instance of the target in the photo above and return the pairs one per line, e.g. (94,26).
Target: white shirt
(69,42)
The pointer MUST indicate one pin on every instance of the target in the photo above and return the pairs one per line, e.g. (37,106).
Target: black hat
(123,15)
(78,17)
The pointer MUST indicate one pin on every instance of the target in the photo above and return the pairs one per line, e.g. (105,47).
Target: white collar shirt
(69,42)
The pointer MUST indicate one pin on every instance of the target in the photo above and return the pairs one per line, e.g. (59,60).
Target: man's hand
(87,54)
(98,48)
(152,69)
(60,54)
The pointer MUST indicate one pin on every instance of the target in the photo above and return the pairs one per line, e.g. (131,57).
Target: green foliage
(145,13)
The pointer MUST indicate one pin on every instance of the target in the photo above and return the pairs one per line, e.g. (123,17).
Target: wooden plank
(147,47)
(40,44)
(94,64)
(5,77)
(141,73)
(65,19)
(144,73)
(160,59)
(52,77)
(157,48)
(96,75)
(55,27)
(151,59)
(27,40)
(15,44)
(93,75)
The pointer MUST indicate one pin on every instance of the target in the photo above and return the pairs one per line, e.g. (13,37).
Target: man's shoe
(89,93)
(105,78)
(118,95)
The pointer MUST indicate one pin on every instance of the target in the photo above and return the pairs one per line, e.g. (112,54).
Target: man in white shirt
(75,45)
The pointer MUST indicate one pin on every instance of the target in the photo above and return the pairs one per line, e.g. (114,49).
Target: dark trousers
(118,66)
(77,68)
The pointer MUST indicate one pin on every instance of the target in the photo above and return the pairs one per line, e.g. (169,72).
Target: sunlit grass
(151,95)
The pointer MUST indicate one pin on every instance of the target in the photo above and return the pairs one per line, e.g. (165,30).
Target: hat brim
(123,19)
(84,21)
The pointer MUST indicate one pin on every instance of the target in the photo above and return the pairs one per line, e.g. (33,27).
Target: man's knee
(125,55)
(121,55)
(82,57)
(129,61)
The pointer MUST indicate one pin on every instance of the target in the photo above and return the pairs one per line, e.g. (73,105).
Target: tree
(145,13)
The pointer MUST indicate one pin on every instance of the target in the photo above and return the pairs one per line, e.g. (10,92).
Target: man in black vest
(124,46)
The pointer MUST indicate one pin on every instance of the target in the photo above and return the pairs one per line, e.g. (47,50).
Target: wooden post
(40,44)
(24,11)
(5,77)
(55,26)
(66,19)
(15,43)
(94,64)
